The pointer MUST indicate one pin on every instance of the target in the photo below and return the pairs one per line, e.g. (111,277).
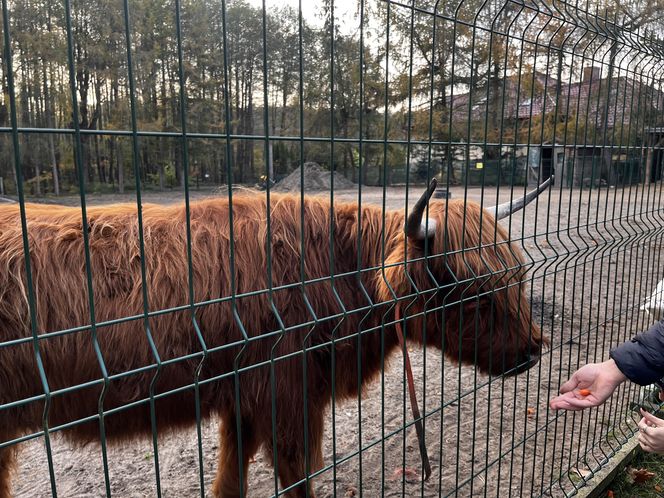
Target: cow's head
(464,283)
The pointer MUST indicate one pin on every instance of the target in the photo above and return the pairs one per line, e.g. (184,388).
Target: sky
(344,10)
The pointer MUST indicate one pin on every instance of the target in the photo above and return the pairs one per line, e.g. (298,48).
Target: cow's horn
(504,210)
(415,229)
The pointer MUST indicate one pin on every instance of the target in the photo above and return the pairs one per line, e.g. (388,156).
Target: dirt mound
(315,178)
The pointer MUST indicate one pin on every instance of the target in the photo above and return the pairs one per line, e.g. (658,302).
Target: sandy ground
(595,256)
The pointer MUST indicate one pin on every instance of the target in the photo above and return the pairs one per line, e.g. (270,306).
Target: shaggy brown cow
(486,316)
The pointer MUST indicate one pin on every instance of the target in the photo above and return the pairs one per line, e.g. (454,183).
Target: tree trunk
(24,116)
(39,119)
(83,82)
(98,160)
(250,127)
(15,178)
(48,111)
(100,123)
(120,168)
(37,179)
(54,165)
(111,160)
(161,176)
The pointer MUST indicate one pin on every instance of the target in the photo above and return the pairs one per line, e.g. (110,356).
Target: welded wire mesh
(185,334)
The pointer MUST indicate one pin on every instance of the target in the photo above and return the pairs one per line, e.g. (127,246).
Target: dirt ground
(595,256)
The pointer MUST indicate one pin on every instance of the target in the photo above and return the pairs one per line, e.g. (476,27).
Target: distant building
(601,113)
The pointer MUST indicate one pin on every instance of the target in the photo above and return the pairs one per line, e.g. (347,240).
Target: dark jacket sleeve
(642,358)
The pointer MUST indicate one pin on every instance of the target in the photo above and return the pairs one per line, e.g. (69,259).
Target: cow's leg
(227,481)
(7,465)
(291,453)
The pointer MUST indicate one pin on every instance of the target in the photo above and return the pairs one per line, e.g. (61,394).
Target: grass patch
(623,486)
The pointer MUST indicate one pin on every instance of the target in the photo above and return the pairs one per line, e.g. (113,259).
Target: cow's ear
(396,278)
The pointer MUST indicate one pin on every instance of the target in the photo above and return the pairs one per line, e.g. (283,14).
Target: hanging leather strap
(413,396)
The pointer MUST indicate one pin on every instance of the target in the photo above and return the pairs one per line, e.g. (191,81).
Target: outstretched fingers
(572,400)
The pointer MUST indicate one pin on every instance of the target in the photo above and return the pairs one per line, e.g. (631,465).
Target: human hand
(651,433)
(591,385)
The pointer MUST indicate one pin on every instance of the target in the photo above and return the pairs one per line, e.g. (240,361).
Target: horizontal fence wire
(203,262)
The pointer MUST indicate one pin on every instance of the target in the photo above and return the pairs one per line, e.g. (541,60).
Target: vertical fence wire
(34,332)
(86,243)
(190,265)
(141,243)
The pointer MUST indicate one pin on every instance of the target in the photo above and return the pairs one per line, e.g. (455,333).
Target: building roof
(529,97)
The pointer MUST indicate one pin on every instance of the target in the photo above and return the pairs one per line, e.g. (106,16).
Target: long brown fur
(480,316)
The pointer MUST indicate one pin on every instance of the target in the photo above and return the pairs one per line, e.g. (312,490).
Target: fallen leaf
(350,492)
(583,473)
(531,412)
(640,475)
(658,488)
(411,474)
(609,494)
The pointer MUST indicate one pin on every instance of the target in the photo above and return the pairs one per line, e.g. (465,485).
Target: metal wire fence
(214,321)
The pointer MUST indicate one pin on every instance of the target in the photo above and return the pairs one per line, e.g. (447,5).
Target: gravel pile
(315,178)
